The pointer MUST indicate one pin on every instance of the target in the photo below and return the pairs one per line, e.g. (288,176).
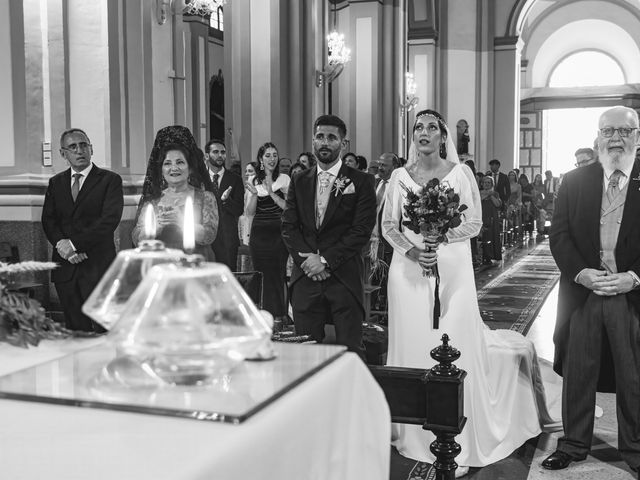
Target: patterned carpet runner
(514,298)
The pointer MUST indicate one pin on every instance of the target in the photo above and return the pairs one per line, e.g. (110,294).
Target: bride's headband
(429,114)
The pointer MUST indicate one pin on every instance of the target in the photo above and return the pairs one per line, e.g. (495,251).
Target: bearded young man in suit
(595,240)
(229,191)
(328,218)
(82,208)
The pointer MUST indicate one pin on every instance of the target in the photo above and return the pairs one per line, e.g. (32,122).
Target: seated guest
(176,170)
(266,201)
(82,208)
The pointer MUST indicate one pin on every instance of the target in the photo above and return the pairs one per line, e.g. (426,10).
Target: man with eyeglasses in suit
(595,240)
(584,157)
(82,208)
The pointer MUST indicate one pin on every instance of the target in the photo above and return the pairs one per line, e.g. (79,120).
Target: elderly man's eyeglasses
(624,132)
(77,147)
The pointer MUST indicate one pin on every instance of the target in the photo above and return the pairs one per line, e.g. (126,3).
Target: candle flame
(149,223)
(188,239)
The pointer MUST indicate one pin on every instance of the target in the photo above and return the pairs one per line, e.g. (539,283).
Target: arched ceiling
(554,29)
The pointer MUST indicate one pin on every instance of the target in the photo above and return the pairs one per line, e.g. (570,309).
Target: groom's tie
(322,196)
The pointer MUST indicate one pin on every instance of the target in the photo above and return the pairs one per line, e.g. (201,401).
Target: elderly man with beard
(328,218)
(595,240)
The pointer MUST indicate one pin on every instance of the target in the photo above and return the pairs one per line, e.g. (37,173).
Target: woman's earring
(163,184)
(443,150)
(261,166)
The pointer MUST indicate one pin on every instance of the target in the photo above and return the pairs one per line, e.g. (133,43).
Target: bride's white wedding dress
(504,396)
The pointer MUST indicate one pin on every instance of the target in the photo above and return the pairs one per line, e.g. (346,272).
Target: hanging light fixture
(338,55)
(410,99)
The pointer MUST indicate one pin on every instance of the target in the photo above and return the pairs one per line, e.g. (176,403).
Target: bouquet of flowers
(431,212)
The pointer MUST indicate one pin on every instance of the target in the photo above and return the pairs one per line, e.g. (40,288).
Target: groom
(328,219)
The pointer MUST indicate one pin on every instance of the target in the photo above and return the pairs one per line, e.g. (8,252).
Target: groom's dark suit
(345,230)
(89,223)
(575,243)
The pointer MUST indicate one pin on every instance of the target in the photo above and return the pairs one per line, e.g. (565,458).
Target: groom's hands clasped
(313,267)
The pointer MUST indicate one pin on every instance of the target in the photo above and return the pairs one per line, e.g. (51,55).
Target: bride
(504,398)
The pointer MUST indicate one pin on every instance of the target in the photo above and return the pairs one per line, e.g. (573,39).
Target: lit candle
(149,223)
(188,229)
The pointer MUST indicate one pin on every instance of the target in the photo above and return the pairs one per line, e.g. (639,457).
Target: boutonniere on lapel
(341,185)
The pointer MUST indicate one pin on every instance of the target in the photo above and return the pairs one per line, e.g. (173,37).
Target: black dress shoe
(558,460)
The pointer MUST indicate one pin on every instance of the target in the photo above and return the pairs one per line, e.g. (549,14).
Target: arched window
(588,68)
(216,20)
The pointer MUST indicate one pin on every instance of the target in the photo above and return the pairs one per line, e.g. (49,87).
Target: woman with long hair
(504,398)
(266,200)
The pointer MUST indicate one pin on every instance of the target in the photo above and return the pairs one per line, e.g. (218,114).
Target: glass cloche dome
(190,322)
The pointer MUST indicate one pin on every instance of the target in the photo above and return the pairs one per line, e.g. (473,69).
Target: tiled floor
(524,464)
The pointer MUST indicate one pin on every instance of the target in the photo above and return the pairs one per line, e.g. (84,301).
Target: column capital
(508,43)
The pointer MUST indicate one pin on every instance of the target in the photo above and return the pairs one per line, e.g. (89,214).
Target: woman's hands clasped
(429,256)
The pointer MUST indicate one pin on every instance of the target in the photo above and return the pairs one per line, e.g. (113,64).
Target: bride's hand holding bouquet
(431,212)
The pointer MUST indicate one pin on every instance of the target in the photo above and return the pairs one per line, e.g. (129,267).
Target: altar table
(334,425)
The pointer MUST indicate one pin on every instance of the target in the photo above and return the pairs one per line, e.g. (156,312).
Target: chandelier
(410,99)
(338,54)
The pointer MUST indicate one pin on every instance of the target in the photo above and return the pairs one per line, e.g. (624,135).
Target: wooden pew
(432,398)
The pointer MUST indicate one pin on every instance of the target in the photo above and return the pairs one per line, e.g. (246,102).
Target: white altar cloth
(334,425)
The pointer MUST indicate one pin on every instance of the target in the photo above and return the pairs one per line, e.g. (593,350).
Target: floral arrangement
(433,209)
(340,184)
(431,212)
(23,321)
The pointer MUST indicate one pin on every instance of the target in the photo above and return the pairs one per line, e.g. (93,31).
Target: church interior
(522,81)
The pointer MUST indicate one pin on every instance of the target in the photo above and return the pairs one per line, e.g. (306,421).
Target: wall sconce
(190,7)
(339,54)
(410,99)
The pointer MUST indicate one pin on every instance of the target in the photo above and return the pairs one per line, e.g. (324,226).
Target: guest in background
(362,163)
(514,204)
(296,168)
(82,208)
(307,159)
(538,201)
(176,171)
(528,204)
(236,167)
(471,164)
(551,185)
(267,192)
(285,166)
(500,181)
(244,222)
(350,160)
(584,157)
(381,259)
(491,225)
(479,177)
(228,189)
